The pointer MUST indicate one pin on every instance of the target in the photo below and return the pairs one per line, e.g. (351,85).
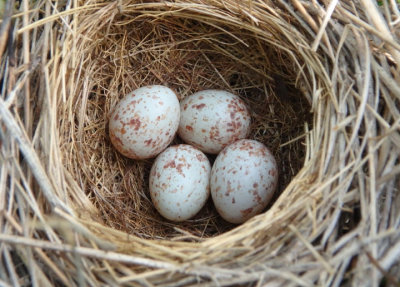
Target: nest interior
(125,50)
(321,79)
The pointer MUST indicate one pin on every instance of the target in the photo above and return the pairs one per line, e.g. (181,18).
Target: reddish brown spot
(255,185)
(200,157)
(272,172)
(185,107)
(229,189)
(118,141)
(135,123)
(179,168)
(233,200)
(237,106)
(199,106)
(246,212)
(170,164)
(214,133)
(148,142)
(161,103)
(116,117)
(245,145)
(203,130)
(133,104)
(257,197)
(201,97)
(123,130)
(234,126)
(189,128)
(260,152)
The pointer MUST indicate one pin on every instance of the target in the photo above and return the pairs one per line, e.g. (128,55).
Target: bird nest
(321,81)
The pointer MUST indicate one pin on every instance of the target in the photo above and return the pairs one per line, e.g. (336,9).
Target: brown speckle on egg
(170,164)
(257,197)
(199,106)
(201,157)
(179,168)
(246,212)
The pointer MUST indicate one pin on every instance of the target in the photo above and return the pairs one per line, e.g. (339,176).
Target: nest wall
(321,81)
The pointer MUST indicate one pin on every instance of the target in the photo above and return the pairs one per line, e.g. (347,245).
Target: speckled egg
(212,119)
(145,122)
(244,177)
(179,182)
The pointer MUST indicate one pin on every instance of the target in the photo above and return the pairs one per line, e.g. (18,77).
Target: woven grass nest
(322,81)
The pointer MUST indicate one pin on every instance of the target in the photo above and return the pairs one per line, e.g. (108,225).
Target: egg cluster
(244,175)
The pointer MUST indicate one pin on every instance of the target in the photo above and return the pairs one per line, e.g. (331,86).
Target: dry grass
(187,55)
(321,80)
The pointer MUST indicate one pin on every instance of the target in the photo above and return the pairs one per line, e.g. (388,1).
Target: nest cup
(323,96)
(131,47)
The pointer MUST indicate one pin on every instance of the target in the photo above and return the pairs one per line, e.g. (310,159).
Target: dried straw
(322,81)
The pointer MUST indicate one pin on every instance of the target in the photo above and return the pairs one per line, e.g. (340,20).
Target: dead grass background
(322,82)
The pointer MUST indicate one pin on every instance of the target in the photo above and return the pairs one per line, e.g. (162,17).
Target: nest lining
(186,55)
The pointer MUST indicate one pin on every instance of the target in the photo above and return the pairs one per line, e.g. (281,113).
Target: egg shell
(212,119)
(179,182)
(145,122)
(244,177)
